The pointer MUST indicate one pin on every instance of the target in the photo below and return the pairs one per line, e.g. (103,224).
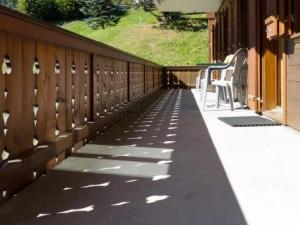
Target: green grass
(138,33)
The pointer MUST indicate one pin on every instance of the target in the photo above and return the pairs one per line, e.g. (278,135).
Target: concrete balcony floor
(262,165)
(170,165)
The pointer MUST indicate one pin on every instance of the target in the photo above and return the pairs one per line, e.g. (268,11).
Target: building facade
(270,30)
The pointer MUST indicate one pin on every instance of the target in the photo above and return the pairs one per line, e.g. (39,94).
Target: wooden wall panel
(293,83)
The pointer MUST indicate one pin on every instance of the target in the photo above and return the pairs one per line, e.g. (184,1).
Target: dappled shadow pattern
(155,167)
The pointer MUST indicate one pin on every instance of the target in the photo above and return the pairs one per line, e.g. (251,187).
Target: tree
(148,5)
(9,3)
(42,9)
(100,12)
(68,9)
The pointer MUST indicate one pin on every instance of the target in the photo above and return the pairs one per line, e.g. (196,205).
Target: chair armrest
(218,67)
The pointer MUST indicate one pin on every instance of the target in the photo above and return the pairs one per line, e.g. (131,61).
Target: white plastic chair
(234,62)
(230,79)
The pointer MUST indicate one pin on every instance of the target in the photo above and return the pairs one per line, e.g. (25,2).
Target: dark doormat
(248,121)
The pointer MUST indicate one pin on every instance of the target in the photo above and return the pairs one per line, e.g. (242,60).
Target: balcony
(93,135)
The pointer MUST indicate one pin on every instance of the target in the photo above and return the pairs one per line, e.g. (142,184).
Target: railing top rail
(197,67)
(17,23)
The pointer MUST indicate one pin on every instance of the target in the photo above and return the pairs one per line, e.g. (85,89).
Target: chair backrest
(228,58)
(234,62)
(240,57)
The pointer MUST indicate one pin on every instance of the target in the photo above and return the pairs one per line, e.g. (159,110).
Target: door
(273,75)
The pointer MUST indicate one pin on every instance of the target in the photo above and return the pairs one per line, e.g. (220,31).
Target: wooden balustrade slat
(77,77)
(68,88)
(51,91)
(61,122)
(13,84)
(41,93)
(28,86)
(2,99)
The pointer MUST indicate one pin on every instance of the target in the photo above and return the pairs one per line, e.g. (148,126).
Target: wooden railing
(182,76)
(58,90)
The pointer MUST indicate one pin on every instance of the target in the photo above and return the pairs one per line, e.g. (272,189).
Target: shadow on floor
(155,167)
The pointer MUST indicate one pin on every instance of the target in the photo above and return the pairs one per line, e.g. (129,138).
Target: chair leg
(225,94)
(230,97)
(204,99)
(218,96)
(197,84)
(203,93)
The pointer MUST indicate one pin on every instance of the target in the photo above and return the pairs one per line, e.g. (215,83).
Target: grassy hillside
(138,33)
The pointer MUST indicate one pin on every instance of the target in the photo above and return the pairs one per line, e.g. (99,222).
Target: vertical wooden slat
(82,87)
(41,97)
(13,84)
(109,83)
(95,86)
(100,86)
(103,84)
(28,58)
(51,92)
(88,75)
(76,91)
(2,87)
(61,90)
(68,88)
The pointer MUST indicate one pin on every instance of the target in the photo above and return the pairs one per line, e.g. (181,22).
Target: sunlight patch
(156,198)
(110,168)
(120,203)
(97,185)
(139,164)
(86,209)
(169,142)
(67,188)
(167,150)
(162,162)
(124,155)
(171,135)
(43,215)
(135,138)
(131,181)
(160,177)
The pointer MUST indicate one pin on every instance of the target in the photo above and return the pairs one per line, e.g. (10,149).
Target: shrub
(100,12)
(42,9)
(9,3)
(68,9)
(51,9)
(129,3)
